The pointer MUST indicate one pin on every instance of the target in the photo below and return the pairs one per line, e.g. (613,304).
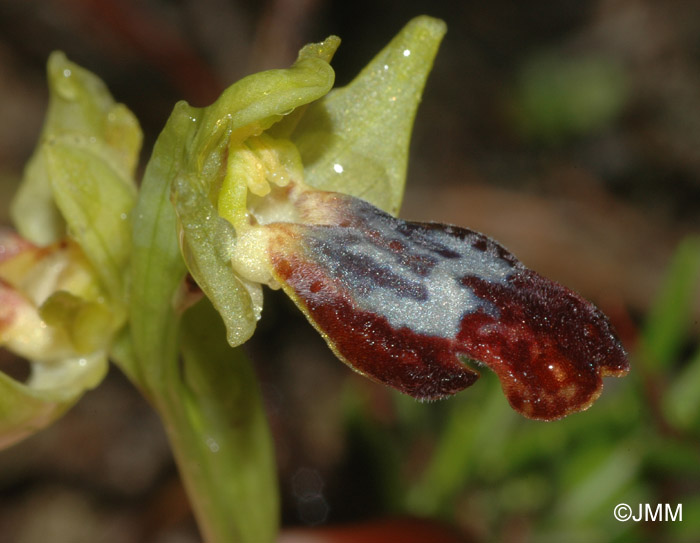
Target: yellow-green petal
(207,245)
(202,144)
(254,103)
(89,325)
(96,202)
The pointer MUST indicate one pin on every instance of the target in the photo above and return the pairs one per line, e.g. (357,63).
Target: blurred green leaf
(467,445)
(676,458)
(558,97)
(666,331)
(682,401)
(689,528)
(593,476)
(667,323)
(378,446)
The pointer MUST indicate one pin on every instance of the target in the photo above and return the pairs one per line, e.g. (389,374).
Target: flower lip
(401,302)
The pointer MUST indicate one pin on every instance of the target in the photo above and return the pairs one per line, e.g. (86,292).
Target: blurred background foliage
(567,130)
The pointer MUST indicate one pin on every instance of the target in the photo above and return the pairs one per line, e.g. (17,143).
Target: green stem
(204,391)
(217,428)
(212,410)
(213,413)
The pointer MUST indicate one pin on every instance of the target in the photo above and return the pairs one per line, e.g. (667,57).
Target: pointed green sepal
(355,140)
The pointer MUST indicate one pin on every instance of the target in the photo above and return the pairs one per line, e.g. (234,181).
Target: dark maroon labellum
(404,303)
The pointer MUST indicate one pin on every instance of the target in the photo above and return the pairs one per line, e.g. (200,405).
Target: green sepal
(157,268)
(24,411)
(96,202)
(52,389)
(356,139)
(254,103)
(82,115)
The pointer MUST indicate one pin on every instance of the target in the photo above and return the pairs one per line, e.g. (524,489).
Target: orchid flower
(283,183)
(286,183)
(285,191)
(62,291)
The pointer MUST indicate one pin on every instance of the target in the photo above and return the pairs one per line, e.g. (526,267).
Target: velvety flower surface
(406,303)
